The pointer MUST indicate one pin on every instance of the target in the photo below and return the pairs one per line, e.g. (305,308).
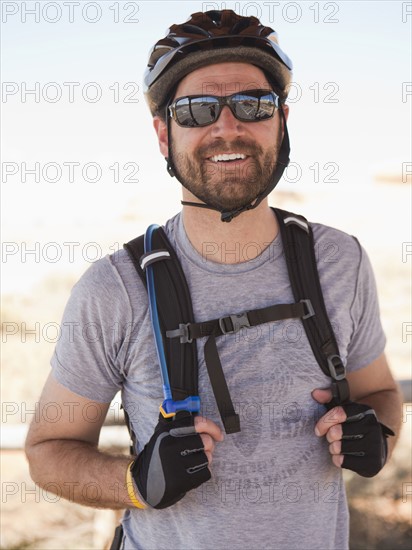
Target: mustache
(236,146)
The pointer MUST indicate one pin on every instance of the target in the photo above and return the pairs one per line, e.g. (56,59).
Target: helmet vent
(241,26)
(192,29)
(215,16)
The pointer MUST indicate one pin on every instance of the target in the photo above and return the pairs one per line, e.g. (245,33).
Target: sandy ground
(381,509)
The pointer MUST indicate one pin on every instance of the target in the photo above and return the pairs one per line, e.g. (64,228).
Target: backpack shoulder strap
(174,308)
(299,250)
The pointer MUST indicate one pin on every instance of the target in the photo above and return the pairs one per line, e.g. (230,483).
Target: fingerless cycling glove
(172,463)
(364,444)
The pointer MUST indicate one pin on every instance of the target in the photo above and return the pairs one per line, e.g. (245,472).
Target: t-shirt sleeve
(93,334)
(368,339)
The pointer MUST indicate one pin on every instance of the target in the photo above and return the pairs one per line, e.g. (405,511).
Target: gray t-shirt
(273,484)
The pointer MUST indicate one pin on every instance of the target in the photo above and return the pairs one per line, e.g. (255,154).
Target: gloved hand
(364,444)
(172,463)
(353,430)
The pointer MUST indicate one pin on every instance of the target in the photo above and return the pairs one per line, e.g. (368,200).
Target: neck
(242,239)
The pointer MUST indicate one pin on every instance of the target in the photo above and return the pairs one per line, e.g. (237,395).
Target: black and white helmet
(208,38)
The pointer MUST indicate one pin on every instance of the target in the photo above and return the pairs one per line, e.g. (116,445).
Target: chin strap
(228,215)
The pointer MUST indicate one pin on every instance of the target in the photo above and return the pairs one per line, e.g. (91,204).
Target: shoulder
(325,233)
(343,264)
(101,278)
(335,247)
(106,286)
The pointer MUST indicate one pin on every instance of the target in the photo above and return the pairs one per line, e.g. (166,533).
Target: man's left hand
(357,440)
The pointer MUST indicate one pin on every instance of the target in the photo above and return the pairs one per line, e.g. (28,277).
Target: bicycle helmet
(213,37)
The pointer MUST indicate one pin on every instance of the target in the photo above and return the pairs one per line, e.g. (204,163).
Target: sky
(79,153)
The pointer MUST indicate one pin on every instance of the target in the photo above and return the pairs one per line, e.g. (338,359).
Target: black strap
(230,418)
(118,538)
(236,321)
(231,325)
(174,306)
(299,250)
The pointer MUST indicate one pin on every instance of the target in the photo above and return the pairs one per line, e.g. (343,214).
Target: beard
(225,185)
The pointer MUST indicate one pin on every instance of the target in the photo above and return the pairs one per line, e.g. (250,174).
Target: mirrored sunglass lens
(254,106)
(197,111)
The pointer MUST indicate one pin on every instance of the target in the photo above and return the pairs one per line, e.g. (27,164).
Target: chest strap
(232,324)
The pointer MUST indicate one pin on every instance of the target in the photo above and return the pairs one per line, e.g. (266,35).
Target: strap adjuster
(182,332)
(311,311)
(238,320)
(153,256)
(336,367)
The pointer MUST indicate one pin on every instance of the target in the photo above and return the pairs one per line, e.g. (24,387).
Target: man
(216,87)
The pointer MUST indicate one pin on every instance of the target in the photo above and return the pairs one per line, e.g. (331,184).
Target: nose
(227,124)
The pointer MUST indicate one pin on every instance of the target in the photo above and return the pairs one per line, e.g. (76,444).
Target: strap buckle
(182,332)
(336,367)
(238,320)
(311,311)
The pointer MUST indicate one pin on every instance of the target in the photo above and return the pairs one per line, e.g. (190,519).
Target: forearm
(387,405)
(79,472)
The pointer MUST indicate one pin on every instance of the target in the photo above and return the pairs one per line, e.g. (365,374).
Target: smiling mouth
(227,157)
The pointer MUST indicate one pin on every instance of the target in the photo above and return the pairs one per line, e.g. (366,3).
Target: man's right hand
(176,459)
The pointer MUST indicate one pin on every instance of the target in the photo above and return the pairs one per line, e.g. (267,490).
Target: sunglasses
(201,110)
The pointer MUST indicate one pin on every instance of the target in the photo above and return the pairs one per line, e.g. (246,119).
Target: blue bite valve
(169,407)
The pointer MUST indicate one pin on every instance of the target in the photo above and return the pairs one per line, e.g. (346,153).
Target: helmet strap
(170,167)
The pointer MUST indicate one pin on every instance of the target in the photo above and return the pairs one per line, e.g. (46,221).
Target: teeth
(226,157)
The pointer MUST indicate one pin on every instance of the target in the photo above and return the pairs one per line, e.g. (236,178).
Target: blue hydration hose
(169,407)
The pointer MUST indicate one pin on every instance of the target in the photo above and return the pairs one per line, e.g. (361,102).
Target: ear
(285,108)
(160,127)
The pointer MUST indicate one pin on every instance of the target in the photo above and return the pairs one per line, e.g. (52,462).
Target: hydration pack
(179,330)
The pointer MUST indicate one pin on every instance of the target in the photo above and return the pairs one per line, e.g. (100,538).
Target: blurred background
(81,175)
